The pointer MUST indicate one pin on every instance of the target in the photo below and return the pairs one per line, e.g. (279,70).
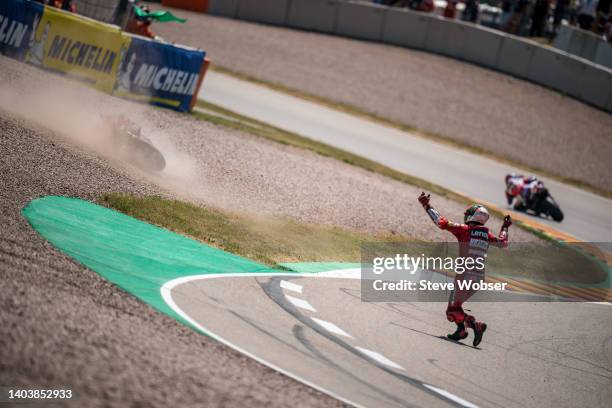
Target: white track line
(330,327)
(379,357)
(601,303)
(451,396)
(302,304)
(166,293)
(353,273)
(294,287)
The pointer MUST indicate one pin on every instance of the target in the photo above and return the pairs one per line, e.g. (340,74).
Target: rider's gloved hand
(424,200)
(507,221)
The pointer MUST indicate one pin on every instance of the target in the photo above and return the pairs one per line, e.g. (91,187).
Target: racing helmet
(511,176)
(476,213)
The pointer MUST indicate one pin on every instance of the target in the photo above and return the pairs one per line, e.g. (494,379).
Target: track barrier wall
(263,11)
(584,44)
(360,20)
(604,56)
(515,56)
(446,37)
(224,8)
(406,29)
(100,54)
(580,68)
(482,46)
(315,15)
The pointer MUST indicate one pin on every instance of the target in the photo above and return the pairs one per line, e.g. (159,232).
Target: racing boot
(479,329)
(459,334)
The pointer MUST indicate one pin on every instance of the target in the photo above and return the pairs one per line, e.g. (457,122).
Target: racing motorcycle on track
(542,203)
(130,145)
(529,195)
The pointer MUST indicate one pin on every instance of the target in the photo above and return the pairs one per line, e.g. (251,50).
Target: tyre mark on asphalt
(269,334)
(273,290)
(534,342)
(434,363)
(298,332)
(511,348)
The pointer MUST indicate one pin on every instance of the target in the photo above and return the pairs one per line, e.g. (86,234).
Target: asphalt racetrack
(394,354)
(587,215)
(61,323)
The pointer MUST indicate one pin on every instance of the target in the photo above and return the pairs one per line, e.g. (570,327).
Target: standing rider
(474,240)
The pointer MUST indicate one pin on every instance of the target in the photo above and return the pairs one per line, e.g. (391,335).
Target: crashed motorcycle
(130,145)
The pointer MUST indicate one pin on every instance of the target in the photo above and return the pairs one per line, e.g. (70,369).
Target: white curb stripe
(379,357)
(330,327)
(166,293)
(302,304)
(451,396)
(353,273)
(291,286)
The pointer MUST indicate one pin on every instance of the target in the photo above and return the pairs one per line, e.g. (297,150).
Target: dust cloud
(82,116)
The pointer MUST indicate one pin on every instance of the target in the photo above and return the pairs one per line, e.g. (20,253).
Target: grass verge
(272,241)
(263,239)
(353,110)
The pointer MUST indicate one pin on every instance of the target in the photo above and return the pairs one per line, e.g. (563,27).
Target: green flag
(159,15)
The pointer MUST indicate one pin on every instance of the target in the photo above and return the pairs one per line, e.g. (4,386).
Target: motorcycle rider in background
(521,191)
(474,240)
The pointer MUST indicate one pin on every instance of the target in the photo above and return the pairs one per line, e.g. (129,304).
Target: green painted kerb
(136,256)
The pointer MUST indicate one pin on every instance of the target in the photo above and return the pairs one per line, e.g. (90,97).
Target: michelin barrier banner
(164,74)
(100,54)
(78,47)
(18,20)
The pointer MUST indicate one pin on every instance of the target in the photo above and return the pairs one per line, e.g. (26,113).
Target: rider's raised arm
(441,221)
(501,240)
(432,212)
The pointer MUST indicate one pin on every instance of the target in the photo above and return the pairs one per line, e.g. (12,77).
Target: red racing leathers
(474,240)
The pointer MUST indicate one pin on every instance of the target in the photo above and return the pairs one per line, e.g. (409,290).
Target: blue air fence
(163,74)
(17,21)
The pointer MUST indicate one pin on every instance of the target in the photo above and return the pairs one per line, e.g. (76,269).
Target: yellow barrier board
(79,47)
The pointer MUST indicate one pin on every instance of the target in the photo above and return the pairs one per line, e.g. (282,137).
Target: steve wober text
(406,285)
